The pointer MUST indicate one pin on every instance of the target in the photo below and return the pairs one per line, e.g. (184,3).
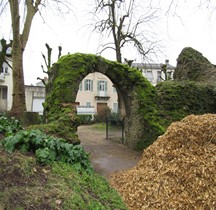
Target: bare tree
(119,18)
(3,52)
(21,30)
(208,4)
(47,61)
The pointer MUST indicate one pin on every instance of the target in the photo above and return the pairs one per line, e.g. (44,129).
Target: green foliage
(102,114)
(48,148)
(85,119)
(60,129)
(178,99)
(193,66)
(24,184)
(115,119)
(151,123)
(9,126)
(100,194)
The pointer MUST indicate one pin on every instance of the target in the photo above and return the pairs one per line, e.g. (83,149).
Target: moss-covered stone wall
(137,95)
(193,66)
(179,99)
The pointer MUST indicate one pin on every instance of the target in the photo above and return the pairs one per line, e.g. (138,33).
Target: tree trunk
(118,54)
(18,47)
(18,104)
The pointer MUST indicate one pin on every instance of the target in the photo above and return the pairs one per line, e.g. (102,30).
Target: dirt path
(106,157)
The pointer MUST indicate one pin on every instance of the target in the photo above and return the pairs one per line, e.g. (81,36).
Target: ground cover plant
(47,149)
(9,126)
(25,184)
(38,171)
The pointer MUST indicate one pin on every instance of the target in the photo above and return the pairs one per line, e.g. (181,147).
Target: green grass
(102,126)
(24,184)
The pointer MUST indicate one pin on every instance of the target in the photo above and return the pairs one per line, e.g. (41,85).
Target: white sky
(195,27)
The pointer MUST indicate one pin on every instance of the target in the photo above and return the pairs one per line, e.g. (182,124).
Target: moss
(151,122)
(178,99)
(24,184)
(58,129)
(68,72)
(193,66)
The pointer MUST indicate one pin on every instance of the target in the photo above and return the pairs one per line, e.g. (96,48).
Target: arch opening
(136,96)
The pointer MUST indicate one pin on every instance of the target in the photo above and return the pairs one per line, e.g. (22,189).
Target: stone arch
(136,95)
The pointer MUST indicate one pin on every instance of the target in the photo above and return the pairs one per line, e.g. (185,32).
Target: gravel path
(106,157)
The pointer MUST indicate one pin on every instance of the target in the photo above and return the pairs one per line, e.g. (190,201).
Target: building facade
(153,71)
(96,91)
(6,83)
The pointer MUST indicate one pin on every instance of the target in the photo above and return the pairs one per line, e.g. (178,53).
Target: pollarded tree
(124,20)
(21,30)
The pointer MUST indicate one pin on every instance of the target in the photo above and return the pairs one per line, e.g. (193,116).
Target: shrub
(85,119)
(115,119)
(179,99)
(48,148)
(102,114)
(9,126)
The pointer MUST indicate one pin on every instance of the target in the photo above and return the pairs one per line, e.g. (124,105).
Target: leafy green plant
(85,119)
(102,114)
(115,119)
(48,148)
(9,126)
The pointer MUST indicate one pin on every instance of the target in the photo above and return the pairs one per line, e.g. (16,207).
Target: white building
(96,91)
(152,71)
(6,83)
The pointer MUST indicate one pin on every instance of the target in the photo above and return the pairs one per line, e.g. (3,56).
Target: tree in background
(3,52)
(47,60)
(122,20)
(21,31)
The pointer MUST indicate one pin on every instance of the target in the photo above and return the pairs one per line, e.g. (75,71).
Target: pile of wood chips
(178,171)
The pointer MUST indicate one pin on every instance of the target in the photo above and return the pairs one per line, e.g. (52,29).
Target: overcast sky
(191,27)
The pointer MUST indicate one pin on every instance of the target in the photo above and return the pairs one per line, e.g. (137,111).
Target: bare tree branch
(117,17)
(3,6)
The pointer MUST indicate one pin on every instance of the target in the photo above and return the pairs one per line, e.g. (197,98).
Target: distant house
(6,82)
(153,72)
(35,96)
(96,91)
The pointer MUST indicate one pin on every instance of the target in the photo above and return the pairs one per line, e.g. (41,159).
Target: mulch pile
(178,171)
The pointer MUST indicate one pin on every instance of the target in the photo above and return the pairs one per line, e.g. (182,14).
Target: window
(169,75)
(101,86)
(5,68)
(88,104)
(80,86)
(114,90)
(88,85)
(115,107)
(158,76)
(149,75)
(3,92)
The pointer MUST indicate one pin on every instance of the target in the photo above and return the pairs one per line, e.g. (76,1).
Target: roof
(151,66)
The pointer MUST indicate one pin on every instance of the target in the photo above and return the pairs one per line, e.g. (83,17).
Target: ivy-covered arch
(136,96)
